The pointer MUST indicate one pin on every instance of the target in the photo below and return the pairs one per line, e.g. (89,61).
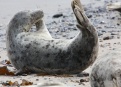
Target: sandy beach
(107,23)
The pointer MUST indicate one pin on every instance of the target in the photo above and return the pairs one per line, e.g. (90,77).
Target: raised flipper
(83,21)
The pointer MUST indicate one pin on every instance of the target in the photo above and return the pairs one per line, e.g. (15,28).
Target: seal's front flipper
(19,72)
(22,72)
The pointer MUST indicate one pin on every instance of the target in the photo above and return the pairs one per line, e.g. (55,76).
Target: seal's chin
(113,6)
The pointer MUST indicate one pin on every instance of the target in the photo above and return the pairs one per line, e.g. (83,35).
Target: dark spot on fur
(54,53)
(15,35)
(28,46)
(47,55)
(15,60)
(35,48)
(47,46)
(56,48)
(22,36)
(13,45)
(37,52)
(11,52)
(22,52)
(26,39)
(60,51)
(48,65)
(57,42)
(14,51)
(52,40)
(53,46)
(36,43)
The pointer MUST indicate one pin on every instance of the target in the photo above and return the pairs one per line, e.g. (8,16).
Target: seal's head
(25,19)
(36,16)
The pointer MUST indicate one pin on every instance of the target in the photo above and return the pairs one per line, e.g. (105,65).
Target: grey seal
(114,6)
(39,52)
(106,71)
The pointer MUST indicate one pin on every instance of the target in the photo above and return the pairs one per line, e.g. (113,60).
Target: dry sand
(106,23)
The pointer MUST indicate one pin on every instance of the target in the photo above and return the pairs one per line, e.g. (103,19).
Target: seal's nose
(36,16)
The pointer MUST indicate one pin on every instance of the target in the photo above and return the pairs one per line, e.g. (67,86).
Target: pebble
(102,22)
(107,36)
(114,33)
(89,16)
(57,15)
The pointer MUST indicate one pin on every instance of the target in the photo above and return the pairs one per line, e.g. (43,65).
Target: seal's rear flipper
(83,22)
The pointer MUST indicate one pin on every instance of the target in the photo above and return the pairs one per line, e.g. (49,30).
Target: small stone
(37,79)
(89,16)
(70,24)
(102,22)
(107,36)
(113,18)
(114,33)
(103,30)
(118,37)
(82,80)
(118,24)
(74,28)
(57,15)
(15,83)
(25,83)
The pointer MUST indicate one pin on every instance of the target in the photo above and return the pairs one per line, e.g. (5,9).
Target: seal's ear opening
(36,16)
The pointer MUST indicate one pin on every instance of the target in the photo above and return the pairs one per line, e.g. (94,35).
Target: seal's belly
(39,51)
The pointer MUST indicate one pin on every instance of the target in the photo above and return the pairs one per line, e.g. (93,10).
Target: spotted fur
(106,71)
(39,52)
